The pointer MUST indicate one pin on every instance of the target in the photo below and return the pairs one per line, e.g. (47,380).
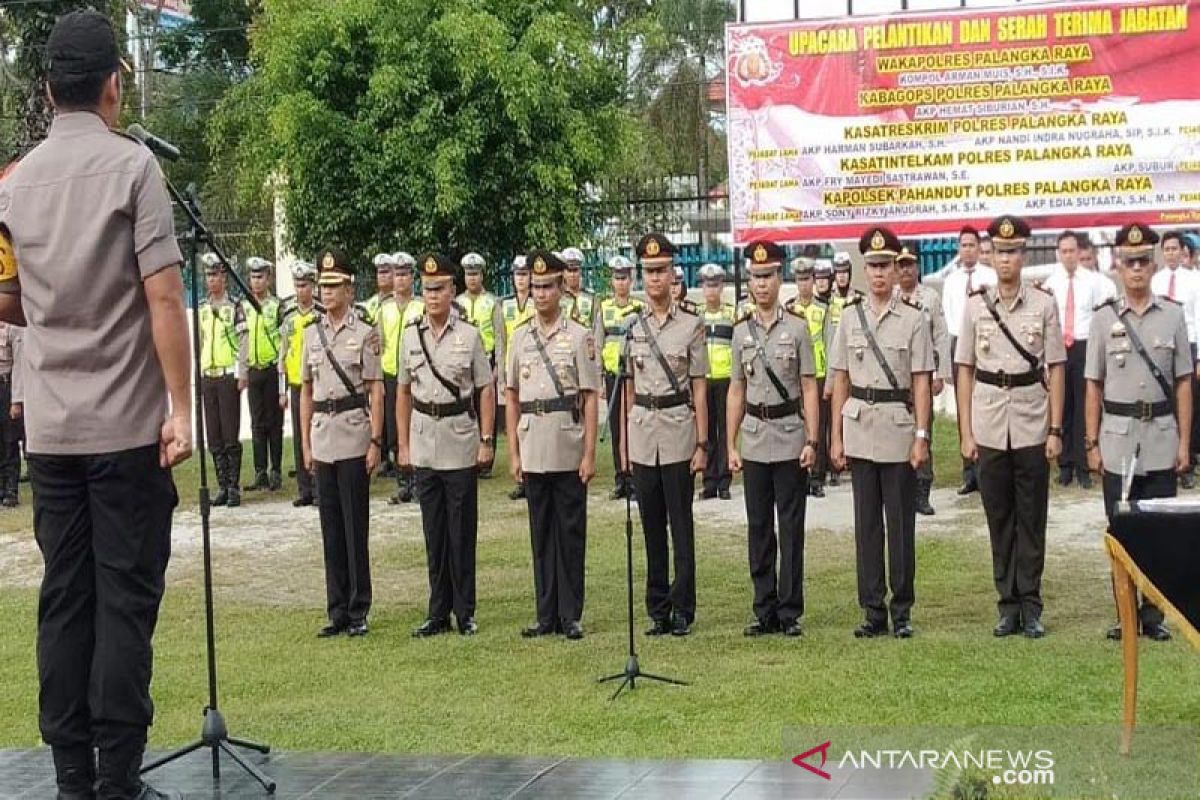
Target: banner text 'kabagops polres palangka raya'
(1070,115)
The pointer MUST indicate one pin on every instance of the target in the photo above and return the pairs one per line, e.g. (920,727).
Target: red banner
(1071,115)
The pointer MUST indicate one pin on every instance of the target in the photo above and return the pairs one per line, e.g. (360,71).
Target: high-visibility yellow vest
(391,325)
(836,304)
(614,331)
(480,309)
(293,362)
(815,313)
(218,336)
(582,306)
(514,314)
(370,308)
(262,333)
(718,332)
(411,310)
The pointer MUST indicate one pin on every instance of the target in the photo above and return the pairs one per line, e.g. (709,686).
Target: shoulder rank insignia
(1169,299)
(911,302)
(795,311)
(1042,288)
(1112,301)
(853,300)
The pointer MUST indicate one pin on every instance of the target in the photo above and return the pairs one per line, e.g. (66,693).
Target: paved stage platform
(29,774)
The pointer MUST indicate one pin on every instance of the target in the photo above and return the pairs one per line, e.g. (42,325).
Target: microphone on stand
(160,147)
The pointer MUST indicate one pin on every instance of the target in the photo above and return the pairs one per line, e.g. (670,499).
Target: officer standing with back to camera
(482,309)
(816,313)
(1010,416)
(718,317)
(666,400)
(298,315)
(88,257)
(882,360)
(258,363)
(341,418)
(220,380)
(773,405)
(616,314)
(915,293)
(447,437)
(552,388)
(1139,393)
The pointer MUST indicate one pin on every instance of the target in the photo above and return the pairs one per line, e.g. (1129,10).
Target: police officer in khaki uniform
(666,400)
(10,425)
(446,437)
(1010,416)
(341,418)
(816,313)
(718,318)
(220,381)
(882,358)
(94,264)
(1139,394)
(298,315)
(258,364)
(617,313)
(552,389)
(911,289)
(773,404)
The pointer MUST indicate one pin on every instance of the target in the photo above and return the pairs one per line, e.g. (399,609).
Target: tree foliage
(450,124)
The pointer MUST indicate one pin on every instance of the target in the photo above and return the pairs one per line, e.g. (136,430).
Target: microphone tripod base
(631,674)
(215,736)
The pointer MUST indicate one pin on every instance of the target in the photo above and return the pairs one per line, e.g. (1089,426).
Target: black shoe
(1065,476)
(75,772)
(300,502)
(221,499)
(573,630)
(617,494)
(405,495)
(761,627)
(661,627)
(680,626)
(538,630)
(816,490)
(81,795)
(792,628)
(923,506)
(1006,626)
(708,494)
(517,493)
(1033,629)
(1156,631)
(275,481)
(388,470)
(431,627)
(357,629)
(1114,633)
(835,479)
(260,482)
(869,630)
(150,793)
(1085,480)
(331,630)
(969,485)
(1188,480)
(394,500)
(903,630)
(468,626)
(235,497)
(724,494)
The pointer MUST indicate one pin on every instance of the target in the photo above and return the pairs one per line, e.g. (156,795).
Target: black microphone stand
(633,671)
(213,734)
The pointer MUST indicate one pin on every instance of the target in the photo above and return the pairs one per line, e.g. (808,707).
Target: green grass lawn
(498,693)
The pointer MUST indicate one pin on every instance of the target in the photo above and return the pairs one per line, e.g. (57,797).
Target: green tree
(456,124)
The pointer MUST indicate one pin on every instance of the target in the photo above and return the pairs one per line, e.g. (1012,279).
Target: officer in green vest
(219,373)
(839,294)
(301,312)
(576,300)
(385,265)
(515,309)
(388,323)
(407,308)
(616,313)
(813,309)
(823,292)
(718,317)
(258,359)
(481,308)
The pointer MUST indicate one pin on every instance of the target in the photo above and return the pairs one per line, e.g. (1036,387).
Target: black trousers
(664,495)
(222,412)
(969,473)
(784,486)
(1072,457)
(11,433)
(885,498)
(103,524)
(1145,487)
(1194,443)
(390,436)
(304,478)
(824,432)
(1015,487)
(266,418)
(717,476)
(450,518)
(558,530)
(616,430)
(344,490)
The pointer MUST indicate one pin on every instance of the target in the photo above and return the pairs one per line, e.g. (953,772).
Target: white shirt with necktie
(957,286)
(1085,290)
(1183,286)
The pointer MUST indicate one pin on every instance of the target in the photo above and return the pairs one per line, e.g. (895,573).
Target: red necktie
(1171,285)
(1069,326)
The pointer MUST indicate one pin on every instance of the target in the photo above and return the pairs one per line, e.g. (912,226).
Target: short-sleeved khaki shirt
(930,303)
(880,432)
(355,344)
(89,219)
(551,442)
(1113,362)
(1019,416)
(788,345)
(666,435)
(449,442)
